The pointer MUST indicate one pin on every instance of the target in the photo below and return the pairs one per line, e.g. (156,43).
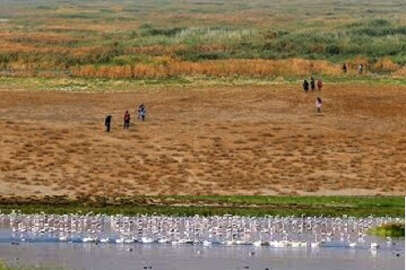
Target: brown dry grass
(219,68)
(230,140)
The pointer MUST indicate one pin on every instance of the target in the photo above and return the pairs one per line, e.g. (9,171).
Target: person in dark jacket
(107,122)
(312,84)
(127,120)
(305,86)
(345,68)
(142,111)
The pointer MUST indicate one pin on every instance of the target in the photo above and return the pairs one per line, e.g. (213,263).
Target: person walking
(345,68)
(305,86)
(142,112)
(360,68)
(318,104)
(140,108)
(107,122)
(127,119)
(319,84)
(312,84)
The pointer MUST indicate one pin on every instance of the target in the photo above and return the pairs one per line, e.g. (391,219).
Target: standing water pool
(167,243)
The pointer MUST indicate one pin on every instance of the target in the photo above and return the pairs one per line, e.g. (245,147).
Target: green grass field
(221,205)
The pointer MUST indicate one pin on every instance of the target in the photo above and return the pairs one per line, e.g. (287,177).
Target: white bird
(105,240)
(257,243)
(130,240)
(63,238)
(163,240)
(298,244)
(119,240)
(241,242)
(147,240)
(207,243)
(315,244)
(88,239)
(229,243)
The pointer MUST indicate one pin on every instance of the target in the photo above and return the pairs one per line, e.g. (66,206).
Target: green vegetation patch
(333,206)
(391,230)
(4,266)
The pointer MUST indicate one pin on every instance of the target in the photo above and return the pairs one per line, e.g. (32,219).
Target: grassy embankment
(220,205)
(111,85)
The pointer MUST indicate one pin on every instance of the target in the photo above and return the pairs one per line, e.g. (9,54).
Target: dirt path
(231,140)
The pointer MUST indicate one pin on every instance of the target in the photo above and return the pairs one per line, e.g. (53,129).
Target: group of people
(312,85)
(360,68)
(142,112)
(306,87)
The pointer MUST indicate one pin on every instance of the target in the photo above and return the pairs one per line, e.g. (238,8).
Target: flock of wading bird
(278,232)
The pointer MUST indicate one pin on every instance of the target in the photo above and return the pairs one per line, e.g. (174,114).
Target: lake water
(37,246)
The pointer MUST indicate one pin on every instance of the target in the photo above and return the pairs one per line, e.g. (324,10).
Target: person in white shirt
(318,104)
(142,112)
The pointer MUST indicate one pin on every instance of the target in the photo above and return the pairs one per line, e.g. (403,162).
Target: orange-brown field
(219,140)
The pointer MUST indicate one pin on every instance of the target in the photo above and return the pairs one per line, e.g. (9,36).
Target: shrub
(392,230)
(385,65)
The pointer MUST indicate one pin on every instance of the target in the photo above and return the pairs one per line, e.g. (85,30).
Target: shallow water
(112,256)
(32,240)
